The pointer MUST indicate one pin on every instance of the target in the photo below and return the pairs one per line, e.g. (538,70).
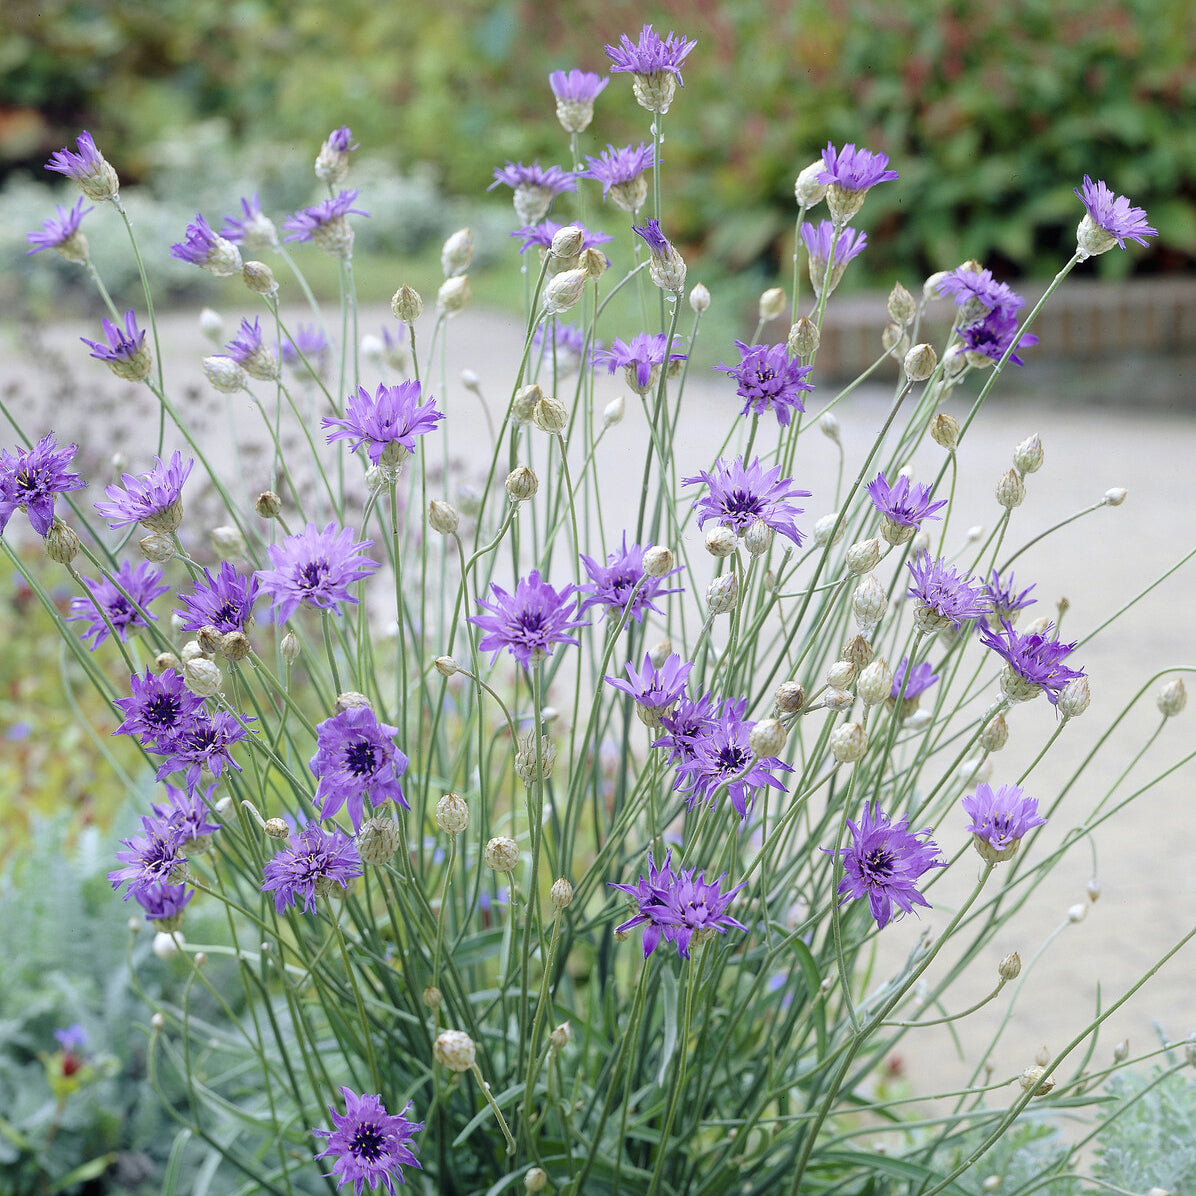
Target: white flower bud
(442,517)
(824,528)
(1074,698)
(550,415)
(758,538)
(721,541)
(995,735)
(829,426)
(658,561)
(225,374)
(1077,912)
(902,305)
(1115,496)
(454,294)
(62,543)
(259,278)
(529,766)
(875,683)
(807,190)
(944,431)
(869,602)
(840,674)
(564,290)
(767,737)
(1027,457)
(659,653)
(722,594)
(167,946)
(457,253)
(406,305)
(452,814)
(202,676)
(567,242)
(501,854)
(289,647)
(837,699)
(699,298)
(228,543)
(454,1049)
(1093,889)
(536,1179)
(920,362)
(378,840)
(561,893)
(789,698)
(863,556)
(559,1038)
(433,997)
(1034,1075)
(156,547)
(848,742)
(895,340)
(803,339)
(1173,697)
(772,304)
(211,325)
(612,413)
(1010,967)
(521,484)
(1011,490)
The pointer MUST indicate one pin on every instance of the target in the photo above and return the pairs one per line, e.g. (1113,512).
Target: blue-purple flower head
(188,814)
(528,622)
(332,163)
(224,601)
(61,232)
(641,359)
(693,721)
(828,249)
(575,92)
(124,352)
(326,224)
(622,174)
(1005,600)
(977,294)
(884,862)
(31,479)
(89,168)
(678,907)
(386,422)
(313,864)
(158,708)
(164,904)
(249,351)
(1000,819)
(202,745)
(911,688)
(768,379)
(122,599)
(253,231)
(654,690)
(541,235)
(369,1146)
(72,1037)
(848,174)
(315,568)
(1109,219)
(155,857)
(1033,662)
(993,337)
(942,598)
(207,249)
(737,495)
(534,187)
(655,62)
(902,506)
(564,347)
(356,757)
(666,266)
(154,499)
(613,584)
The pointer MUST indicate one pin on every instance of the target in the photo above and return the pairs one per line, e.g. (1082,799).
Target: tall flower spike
(61,233)
(575,93)
(1109,220)
(315,568)
(126,353)
(31,479)
(94,174)
(655,63)
(768,379)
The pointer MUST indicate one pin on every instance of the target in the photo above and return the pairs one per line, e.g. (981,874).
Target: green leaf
(668,983)
(92,1169)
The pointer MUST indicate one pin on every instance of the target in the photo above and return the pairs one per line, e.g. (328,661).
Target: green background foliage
(991,112)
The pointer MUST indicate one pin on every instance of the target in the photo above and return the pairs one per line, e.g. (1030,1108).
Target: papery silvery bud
(452,814)
(536,1180)
(1092,239)
(454,294)
(869,602)
(351,699)
(827,525)
(920,362)
(373,348)
(991,1183)
(995,735)
(902,305)
(457,253)
(202,676)
(863,556)
(1093,889)
(1173,697)
(501,854)
(1074,698)
(848,743)
(529,766)
(699,298)
(612,413)
(875,683)
(1011,490)
(268,505)
(454,1049)
(722,594)
(858,651)
(721,541)
(561,893)
(837,699)
(289,647)
(567,242)
(433,997)
(1010,967)
(190,650)
(658,561)
(446,666)
(1027,457)
(377,841)
(524,403)
(235,646)
(920,542)
(211,325)
(521,484)
(564,290)
(379,477)
(259,278)
(772,304)
(807,190)
(225,374)
(1115,496)
(62,543)
(829,426)
(758,538)
(228,542)
(1077,912)
(550,415)
(944,431)
(406,305)
(442,517)
(840,674)
(1121,1051)
(1034,1075)
(767,737)
(790,697)
(167,660)
(166,946)
(895,340)
(803,339)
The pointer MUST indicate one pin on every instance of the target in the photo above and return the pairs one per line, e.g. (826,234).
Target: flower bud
(840,674)
(442,517)
(564,290)
(825,527)
(289,647)
(189,651)
(1011,490)
(902,306)
(202,676)
(895,340)
(848,742)
(758,538)
(457,253)
(789,698)
(1173,697)
(167,660)
(869,602)
(837,699)
(1027,457)
(521,484)
(944,431)
(211,325)
(767,737)
(536,1179)
(721,541)
(829,426)
(454,295)
(234,646)
(259,278)
(454,1049)
(561,893)
(1073,698)
(863,556)
(228,542)
(268,505)
(592,262)
(433,997)
(1077,912)
(807,190)
(452,814)
(567,242)
(501,854)
(524,403)
(995,735)
(351,700)
(660,652)
(531,767)
(225,374)
(167,946)
(1093,889)
(1115,496)
(377,841)
(62,543)
(875,683)
(772,304)
(722,594)
(156,547)
(612,413)
(658,561)
(276,828)
(559,1038)
(406,305)
(803,339)
(920,362)
(699,298)
(550,415)
(1034,1076)
(859,651)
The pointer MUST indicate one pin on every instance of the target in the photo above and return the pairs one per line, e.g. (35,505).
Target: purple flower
(188,814)
(854,169)
(651,55)
(73,1038)
(1113,216)
(254,232)
(770,380)
(739,495)
(611,585)
(656,241)
(125,354)
(1000,820)
(247,350)
(141,584)
(641,360)
(621,173)
(159,708)
(693,721)
(388,422)
(666,266)
(207,249)
(534,187)
(61,232)
(153,858)
(993,336)
(819,242)
(884,863)
(977,295)
(564,345)
(309,866)
(163,902)
(308,340)
(919,681)
(721,754)
(576,87)
(30,480)
(369,1144)
(204,742)
(89,168)
(654,689)
(541,235)
(1004,599)
(154,499)
(943,598)
(224,602)
(529,621)
(1035,662)
(315,567)
(903,504)
(676,906)
(355,758)
(325,224)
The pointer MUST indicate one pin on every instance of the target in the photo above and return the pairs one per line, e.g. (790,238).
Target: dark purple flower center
(368,1143)
(162,711)
(26,482)
(313,574)
(742,502)
(530,620)
(732,758)
(226,614)
(202,740)
(765,375)
(120,611)
(360,757)
(877,865)
(621,585)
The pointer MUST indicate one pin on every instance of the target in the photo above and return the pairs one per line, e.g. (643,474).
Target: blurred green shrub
(991,112)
